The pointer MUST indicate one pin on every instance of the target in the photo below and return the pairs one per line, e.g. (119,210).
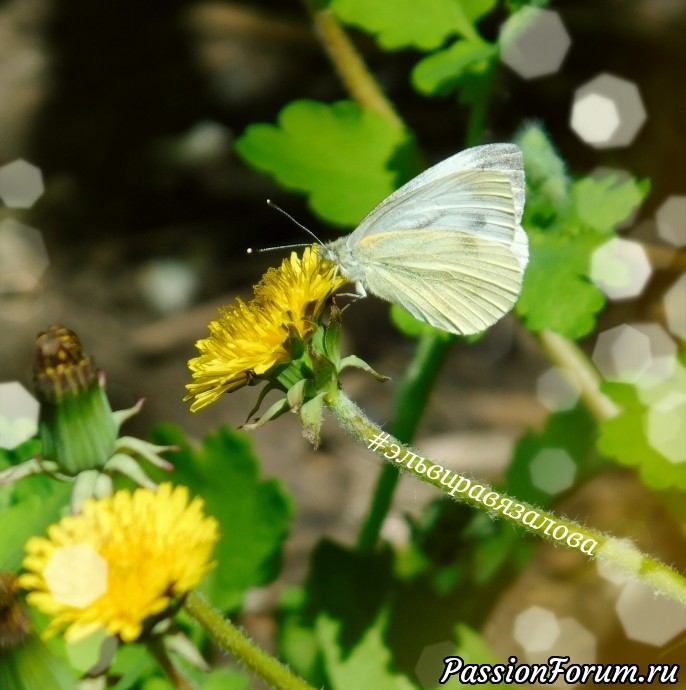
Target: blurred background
(125,216)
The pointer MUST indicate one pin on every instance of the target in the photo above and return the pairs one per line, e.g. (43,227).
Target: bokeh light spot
(18,415)
(674,302)
(534,42)
(647,617)
(671,221)
(536,629)
(607,112)
(552,470)
(76,575)
(620,268)
(665,426)
(558,389)
(21,184)
(23,258)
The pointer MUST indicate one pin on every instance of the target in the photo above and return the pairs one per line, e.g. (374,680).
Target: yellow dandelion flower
(121,560)
(247,340)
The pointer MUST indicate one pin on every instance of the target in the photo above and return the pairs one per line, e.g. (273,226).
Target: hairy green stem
(239,645)
(411,400)
(561,530)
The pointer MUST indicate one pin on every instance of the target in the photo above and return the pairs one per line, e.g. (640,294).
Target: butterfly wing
(453,280)
(465,192)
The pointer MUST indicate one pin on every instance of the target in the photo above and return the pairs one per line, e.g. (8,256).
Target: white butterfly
(447,246)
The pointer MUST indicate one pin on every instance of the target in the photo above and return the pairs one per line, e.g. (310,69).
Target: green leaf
(603,203)
(30,516)
(564,230)
(442,71)
(649,432)
(407,23)
(547,181)
(341,156)
(348,586)
(225,679)
(557,293)
(254,514)
(367,665)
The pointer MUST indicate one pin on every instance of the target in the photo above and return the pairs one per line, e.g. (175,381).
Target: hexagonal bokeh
(665,426)
(674,301)
(671,221)
(18,415)
(23,257)
(607,112)
(168,284)
(647,617)
(533,42)
(558,389)
(573,640)
(21,184)
(552,470)
(430,663)
(536,629)
(620,268)
(635,352)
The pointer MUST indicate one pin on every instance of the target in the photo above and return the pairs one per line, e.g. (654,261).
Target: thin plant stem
(157,648)
(350,66)
(235,642)
(574,364)
(622,555)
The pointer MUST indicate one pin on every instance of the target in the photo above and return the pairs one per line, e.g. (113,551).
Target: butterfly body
(448,246)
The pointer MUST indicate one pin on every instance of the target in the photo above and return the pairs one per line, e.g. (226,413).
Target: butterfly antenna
(290,217)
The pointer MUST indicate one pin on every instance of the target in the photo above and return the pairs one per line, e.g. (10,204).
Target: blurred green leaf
(406,23)
(366,665)
(650,420)
(442,71)
(254,514)
(557,293)
(29,516)
(547,182)
(603,203)
(564,230)
(341,156)
(572,431)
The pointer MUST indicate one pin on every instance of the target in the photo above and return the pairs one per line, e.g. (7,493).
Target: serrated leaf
(339,155)
(443,70)
(367,665)
(407,23)
(603,203)
(254,514)
(557,293)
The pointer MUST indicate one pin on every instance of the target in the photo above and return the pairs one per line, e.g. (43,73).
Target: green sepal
(276,410)
(296,394)
(355,361)
(311,417)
